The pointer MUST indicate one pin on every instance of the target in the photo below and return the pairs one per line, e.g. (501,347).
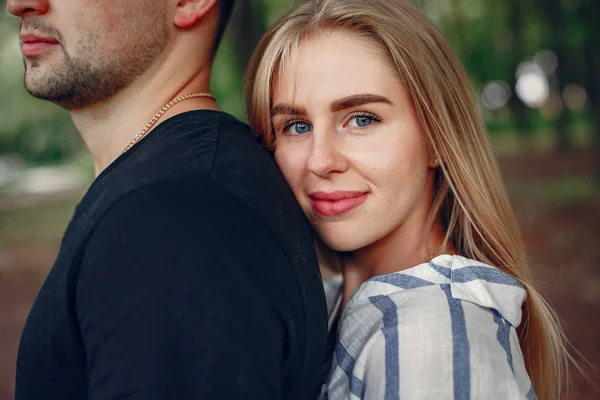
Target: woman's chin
(342,244)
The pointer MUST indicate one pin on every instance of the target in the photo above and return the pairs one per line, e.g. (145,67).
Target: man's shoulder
(217,150)
(194,215)
(244,169)
(199,175)
(195,154)
(189,197)
(197,148)
(206,143)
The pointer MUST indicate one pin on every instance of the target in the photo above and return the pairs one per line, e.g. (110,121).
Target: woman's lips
(336,203)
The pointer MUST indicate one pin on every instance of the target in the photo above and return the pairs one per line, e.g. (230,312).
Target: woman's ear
(189,12)
(434,163)
(434,160)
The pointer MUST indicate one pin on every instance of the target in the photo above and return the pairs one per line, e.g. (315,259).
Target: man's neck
(108,127)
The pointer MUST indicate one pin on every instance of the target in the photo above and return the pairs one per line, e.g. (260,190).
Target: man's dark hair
(225,9)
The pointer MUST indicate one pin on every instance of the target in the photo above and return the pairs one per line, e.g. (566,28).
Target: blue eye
(361,121)
(298,128)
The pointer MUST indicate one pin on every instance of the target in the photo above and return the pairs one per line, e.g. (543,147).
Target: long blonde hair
(470,197)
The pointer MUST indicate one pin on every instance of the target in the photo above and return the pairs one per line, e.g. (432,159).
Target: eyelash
(363,114)
(291,122)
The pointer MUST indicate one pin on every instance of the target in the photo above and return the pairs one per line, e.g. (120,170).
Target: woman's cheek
(289,164)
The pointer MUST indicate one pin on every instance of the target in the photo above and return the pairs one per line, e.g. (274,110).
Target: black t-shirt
(187,272)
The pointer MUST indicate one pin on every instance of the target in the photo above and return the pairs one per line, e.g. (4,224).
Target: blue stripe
(469,274)
(445,271)
(390,333)
(402,281)
(503,335)
(531,395)
(346,363)
(461,353)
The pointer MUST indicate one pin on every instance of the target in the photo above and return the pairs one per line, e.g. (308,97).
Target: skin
(118,62)
(355,129)
(93,62)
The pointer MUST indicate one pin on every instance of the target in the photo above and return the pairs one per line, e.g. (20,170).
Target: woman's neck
(402,249)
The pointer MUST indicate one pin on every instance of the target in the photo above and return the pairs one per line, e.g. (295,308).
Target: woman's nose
(325,157)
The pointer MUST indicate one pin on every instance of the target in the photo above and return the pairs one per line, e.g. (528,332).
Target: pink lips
(336,203)
(33,45)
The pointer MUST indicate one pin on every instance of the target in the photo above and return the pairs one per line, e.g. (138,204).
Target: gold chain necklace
(160,113)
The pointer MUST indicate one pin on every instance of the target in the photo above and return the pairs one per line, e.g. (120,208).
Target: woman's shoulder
(451,318)
(445,281)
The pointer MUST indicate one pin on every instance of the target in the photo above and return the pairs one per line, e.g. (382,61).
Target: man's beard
(85,80)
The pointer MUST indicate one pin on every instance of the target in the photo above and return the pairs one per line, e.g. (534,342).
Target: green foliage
(226,82)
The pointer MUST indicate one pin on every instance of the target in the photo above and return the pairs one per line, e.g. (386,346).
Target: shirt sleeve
(170,304)
(443,348)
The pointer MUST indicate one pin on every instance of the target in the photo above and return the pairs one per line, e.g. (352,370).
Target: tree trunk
(593,87)
(247,26)
(460,42)
(555,17)
(518,108)
(589,12)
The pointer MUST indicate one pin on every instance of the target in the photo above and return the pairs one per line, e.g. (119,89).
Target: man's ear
(189,12)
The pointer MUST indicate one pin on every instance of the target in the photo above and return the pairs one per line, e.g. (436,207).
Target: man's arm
(168,303)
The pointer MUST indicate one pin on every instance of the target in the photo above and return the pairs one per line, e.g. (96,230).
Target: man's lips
(32,45)
(336,203)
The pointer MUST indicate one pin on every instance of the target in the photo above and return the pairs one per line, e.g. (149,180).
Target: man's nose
(21,8)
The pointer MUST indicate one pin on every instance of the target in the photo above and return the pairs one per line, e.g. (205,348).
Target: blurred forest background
(534,64)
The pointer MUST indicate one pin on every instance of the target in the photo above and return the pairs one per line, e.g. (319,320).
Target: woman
(374,125)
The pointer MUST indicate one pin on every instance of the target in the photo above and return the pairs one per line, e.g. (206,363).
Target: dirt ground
(558,209)
(561,231)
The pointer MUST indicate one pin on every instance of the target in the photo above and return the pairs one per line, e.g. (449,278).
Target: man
(187,271)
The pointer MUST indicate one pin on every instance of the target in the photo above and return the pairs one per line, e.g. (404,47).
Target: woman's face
(349,143)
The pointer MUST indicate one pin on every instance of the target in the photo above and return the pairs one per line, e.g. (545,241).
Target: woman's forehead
(338,63)
(330,51)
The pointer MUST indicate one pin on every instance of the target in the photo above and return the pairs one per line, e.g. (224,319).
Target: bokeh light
(532,85)
(575,97)
(495,95)
(546,59)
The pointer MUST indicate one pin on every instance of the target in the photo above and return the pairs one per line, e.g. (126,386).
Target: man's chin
(46,87)
(71,84)
(36,79)
(60,99)
(37,88)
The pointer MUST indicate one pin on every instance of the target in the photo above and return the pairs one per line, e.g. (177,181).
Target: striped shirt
(440,330)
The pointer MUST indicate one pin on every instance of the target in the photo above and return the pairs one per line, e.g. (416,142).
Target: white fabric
(441,330)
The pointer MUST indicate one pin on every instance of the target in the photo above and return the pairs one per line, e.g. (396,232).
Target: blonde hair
(470,197)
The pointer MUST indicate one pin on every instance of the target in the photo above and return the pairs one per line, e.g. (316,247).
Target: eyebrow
(358,100)
(338,105)
(287,109)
